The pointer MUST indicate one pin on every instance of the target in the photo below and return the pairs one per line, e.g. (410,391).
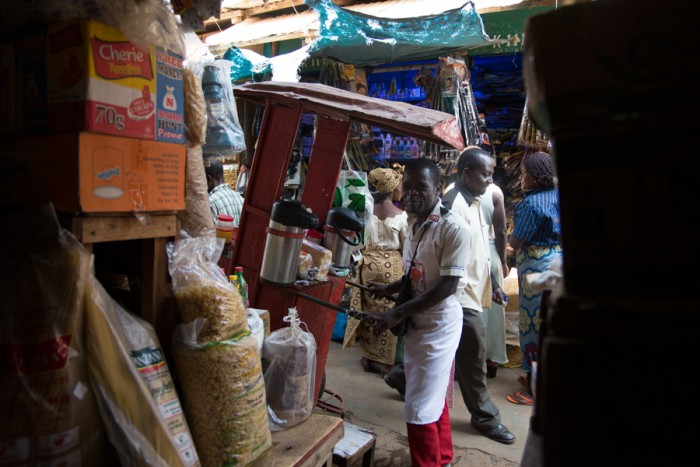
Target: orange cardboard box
(92,172)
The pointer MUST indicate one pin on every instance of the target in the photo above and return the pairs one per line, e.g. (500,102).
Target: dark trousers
(470,371)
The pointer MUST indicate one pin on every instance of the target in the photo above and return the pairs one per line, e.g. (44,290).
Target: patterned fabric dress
(536,221)
(381,262)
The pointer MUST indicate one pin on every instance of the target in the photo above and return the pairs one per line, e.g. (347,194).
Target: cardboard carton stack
(97,123)
(613,84)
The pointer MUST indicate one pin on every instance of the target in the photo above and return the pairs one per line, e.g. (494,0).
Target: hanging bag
(406,293)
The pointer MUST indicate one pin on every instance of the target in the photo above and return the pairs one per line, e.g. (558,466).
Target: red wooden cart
(284,105)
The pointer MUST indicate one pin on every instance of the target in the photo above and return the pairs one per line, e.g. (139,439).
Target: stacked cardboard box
(113,111)
(612,83)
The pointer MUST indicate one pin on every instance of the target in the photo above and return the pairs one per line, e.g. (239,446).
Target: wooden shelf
(110,229)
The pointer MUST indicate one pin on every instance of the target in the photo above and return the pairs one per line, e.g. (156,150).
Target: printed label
(40,357)
(118,60)
(14,450)
(55,443)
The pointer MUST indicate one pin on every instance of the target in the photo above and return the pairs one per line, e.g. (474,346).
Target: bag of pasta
(224,395)
(290,374)
(202,290)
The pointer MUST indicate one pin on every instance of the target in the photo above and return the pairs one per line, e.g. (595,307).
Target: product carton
(8,91)
(609,62)
(91,172)
(98,81)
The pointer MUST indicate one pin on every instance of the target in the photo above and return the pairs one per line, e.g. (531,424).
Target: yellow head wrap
(386,180)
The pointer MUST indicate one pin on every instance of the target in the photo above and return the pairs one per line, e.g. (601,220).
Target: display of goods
(47,407)
(138,401)
(224,394)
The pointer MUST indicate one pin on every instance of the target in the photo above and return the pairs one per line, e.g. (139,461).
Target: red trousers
(431,444)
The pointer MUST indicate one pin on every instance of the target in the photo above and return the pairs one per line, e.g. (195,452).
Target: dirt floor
(369,403)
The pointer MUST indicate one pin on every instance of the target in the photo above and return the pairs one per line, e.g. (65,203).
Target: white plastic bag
(290,376)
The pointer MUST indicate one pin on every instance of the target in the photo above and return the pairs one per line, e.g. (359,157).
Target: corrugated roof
(305,24)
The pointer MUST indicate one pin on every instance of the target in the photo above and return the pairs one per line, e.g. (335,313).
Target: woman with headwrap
(381,263)
(536,238)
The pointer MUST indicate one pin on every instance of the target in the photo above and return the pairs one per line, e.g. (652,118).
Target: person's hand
(378,290)
(380,322)
(500,297)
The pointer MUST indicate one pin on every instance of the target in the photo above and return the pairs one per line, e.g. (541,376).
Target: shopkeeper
(222,198)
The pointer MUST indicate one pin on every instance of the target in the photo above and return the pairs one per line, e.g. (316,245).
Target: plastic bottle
(400,148)
(406,147)
(415,150)
(242,284)
(387,143)
(224,229)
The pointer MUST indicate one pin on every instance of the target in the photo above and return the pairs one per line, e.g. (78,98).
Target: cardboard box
(8,88)
(33,113)
(627,199)
(94,173)
(608,62)
(98,81)
(265,316)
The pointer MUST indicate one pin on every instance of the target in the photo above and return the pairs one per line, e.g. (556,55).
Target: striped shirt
(224,200)
(536,218)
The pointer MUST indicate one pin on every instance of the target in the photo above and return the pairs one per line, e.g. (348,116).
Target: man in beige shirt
(474,174)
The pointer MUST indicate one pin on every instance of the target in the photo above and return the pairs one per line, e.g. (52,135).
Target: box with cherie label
(99,81)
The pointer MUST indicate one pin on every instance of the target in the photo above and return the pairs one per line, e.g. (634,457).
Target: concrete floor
(371,404)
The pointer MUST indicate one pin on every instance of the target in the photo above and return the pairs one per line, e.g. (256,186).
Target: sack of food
(137,398)
(290,374)
(47,407)
(202,290)
(224,395)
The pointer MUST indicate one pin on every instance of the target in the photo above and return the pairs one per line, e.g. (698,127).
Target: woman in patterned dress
(536,238)
(381,263)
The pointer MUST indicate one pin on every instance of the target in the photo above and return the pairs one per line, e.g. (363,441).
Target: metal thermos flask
(285,234)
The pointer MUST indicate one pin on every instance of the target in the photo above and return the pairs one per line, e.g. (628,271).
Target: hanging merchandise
(529,135)
(352,192)
(224,135)
(290,357)
(451,92)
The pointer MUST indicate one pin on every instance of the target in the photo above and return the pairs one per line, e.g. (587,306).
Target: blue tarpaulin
(360,39)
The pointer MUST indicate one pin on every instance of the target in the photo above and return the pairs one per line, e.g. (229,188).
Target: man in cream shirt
(475,173)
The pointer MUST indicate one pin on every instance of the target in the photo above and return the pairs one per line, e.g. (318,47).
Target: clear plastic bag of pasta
(290,374)
(224,395)
(202,290)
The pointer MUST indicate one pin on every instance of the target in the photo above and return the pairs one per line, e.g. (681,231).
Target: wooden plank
(154,284)
(309,444)
(110,229)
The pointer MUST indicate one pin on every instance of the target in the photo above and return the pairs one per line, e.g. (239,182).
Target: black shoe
(491,370)
(396,379)
(498,433)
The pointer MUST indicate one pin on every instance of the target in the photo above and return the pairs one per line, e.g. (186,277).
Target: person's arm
(499,227)
(446,286)
(515,242)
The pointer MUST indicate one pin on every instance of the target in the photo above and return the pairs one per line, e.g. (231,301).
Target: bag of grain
(136,394)
(202,290)
(290,374)
(47,407)
(224,395)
